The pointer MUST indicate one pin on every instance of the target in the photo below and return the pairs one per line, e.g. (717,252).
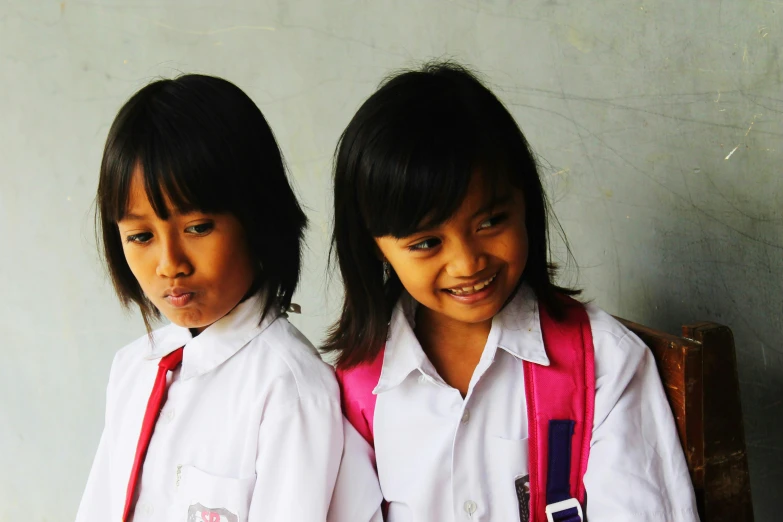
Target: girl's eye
(492,221)
(427,244)
(201,228)
(141,238)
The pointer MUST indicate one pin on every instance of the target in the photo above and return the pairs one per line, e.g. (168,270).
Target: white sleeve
(299,451)
(95,505)
(636,469)
(96,500)
(357,495)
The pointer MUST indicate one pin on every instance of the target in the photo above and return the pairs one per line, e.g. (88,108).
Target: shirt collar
(218,342)
(403,353)
(516,330)
(519,326)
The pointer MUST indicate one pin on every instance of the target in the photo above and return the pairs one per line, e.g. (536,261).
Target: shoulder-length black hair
(405,160)
(203,143)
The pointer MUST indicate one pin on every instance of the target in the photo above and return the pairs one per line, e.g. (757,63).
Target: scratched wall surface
(658,124)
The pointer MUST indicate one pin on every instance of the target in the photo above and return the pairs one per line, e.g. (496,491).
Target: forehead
(485,192)
(139,201)
(137,194)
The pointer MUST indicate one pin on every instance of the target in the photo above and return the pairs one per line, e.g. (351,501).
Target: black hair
(404,163)
(202,143)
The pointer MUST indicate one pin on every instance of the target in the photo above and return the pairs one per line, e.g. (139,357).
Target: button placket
(469,506)
(143,510)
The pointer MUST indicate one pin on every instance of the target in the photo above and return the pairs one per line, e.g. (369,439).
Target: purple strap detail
(558,483)
(558,487)
(569,515)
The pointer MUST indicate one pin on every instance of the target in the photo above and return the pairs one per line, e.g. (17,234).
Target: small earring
(386,271)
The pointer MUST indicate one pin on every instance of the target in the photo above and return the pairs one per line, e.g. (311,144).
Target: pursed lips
(178,296)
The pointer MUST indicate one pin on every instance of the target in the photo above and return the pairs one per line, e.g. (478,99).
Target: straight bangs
(415,173)
(178,162)
(201,144)
(403,165)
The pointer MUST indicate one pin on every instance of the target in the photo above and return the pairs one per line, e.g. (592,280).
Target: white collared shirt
(444,458)
(251,430)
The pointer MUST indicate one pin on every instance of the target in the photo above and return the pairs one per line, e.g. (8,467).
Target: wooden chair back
(699,374)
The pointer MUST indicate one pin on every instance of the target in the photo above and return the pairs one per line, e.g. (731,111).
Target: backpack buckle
(563,505)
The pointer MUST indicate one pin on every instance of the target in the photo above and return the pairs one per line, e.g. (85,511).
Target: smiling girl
(488,392)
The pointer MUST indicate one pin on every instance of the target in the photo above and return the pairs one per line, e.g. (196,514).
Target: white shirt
(251,430)
(444,458)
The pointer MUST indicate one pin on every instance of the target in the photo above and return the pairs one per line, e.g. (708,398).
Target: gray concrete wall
(659,123)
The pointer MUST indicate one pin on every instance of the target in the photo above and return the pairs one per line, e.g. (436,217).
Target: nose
(467,259)
(173,262)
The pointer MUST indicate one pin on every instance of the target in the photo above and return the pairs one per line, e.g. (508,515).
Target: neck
(432,325)
(453,347)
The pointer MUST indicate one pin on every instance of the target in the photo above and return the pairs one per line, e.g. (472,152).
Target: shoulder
(135,353)
(614,343)
(292,362)
(624,366)
(138,348)
(142,347)
(132,363)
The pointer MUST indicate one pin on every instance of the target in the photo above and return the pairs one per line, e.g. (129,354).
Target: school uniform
(442,457)
(250,430)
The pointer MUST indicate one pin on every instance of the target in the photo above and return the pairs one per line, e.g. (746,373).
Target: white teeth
(468,290)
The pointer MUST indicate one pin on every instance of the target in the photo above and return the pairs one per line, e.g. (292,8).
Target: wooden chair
(699,373)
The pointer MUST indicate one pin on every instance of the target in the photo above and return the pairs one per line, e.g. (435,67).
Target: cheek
(230,260)
(512,248)
(219,263)
(418,277)
(137,262)
(518,251)
(521,246)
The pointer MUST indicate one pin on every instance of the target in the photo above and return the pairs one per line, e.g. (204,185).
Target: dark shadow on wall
(721,276)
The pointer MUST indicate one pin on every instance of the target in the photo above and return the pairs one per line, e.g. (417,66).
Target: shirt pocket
(203,497)
(509,478)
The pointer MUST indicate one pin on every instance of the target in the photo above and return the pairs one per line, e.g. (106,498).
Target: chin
(481,313)
(188,320)
(475,315)
(478,318)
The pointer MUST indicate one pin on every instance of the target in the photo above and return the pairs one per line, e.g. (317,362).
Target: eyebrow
(496,202)
(132,217)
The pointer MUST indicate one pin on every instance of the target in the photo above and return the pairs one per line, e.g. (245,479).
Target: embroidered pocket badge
(199,513)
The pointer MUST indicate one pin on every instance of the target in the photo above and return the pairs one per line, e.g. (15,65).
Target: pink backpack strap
(560,404)
(358,400)
(563,392)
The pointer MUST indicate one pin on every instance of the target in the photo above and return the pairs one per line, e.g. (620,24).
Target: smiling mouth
(469,290)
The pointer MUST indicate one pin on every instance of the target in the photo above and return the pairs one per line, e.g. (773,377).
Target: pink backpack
(560,400)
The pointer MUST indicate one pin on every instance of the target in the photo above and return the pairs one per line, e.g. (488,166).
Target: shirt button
(422,379)
(167,415)
(470,507)
(144,510)
(465,416)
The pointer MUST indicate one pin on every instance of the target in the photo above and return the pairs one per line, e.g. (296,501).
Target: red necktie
(166,364)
